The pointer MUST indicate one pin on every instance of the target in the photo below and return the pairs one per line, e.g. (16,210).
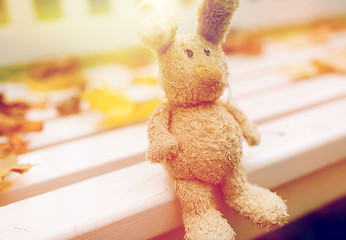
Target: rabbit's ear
(214,17)
(158,32)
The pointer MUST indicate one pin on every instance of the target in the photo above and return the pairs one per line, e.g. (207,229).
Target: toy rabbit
(197,137)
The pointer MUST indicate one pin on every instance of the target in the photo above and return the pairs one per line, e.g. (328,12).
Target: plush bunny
(197,137)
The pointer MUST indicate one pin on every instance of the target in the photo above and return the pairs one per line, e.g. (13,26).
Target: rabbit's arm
(162,144)
(248,128)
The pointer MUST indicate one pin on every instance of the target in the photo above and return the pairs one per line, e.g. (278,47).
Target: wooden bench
(89,182)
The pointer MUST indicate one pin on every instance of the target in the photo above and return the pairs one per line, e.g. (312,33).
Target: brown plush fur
(196,136)
(214,18)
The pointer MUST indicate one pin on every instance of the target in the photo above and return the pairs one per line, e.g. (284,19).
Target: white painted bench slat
(67,163)
(294,97)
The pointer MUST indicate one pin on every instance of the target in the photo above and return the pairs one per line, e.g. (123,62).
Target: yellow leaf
(145,80)
(9,163)
(8,158)
(117,108)
(112,104)
(57,82)
(140,112)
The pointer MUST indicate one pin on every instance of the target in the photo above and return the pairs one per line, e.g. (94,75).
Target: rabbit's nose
(208,74)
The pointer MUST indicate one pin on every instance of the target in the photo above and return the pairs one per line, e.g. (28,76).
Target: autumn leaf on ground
(9,163)
(8,157)
(10,125)
(69,106)
(55,75)
(140,112)
(15,145)
(145,81)
(117,108)
(17,109)
(12,118)
(243,42)
(109,102)
(301,71)
(334,62)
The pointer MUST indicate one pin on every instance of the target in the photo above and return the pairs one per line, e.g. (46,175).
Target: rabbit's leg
(202,221)
(260,205)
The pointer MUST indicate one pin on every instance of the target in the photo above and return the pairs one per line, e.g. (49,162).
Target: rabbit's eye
(188,53)
(206,51)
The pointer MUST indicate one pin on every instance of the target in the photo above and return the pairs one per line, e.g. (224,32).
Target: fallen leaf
(69,106)
(117,108)
(243,42)
(17,109)
(9,163)
(55,75)
(145,81)
(8,158)
(110,103)
(14,144)
(334,62)
(140,112)
(301,71)
(10,125)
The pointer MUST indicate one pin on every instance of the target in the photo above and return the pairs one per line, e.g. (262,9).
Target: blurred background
(42,29)
(82,58)
(55,53)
